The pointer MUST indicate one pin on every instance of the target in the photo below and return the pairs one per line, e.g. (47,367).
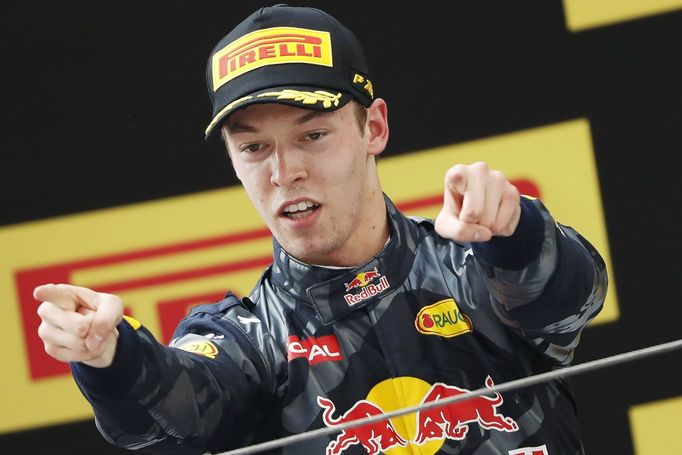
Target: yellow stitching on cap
(369,88)
(227,108)
(328,99)
(359,79)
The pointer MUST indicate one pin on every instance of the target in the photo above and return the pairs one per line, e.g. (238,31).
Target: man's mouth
(300,210)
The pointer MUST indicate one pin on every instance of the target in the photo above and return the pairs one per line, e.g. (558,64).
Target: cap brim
(314,98)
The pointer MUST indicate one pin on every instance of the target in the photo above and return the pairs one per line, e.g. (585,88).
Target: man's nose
(288,167)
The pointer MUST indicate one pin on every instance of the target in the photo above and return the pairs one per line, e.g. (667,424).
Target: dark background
(104,103)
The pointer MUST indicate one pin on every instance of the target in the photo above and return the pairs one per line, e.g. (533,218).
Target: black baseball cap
(291,55)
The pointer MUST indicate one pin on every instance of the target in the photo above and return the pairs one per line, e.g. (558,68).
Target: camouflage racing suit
(425,319)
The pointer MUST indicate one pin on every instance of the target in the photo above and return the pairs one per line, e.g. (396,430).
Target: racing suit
(424,319)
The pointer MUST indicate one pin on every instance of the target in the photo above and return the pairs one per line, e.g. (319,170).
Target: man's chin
(305,250)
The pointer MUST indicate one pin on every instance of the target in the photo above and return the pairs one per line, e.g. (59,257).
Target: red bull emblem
(452,421)
(429,427)
(364,280)
(375,437)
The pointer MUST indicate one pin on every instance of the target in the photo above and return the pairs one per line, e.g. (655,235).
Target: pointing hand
(478,203)
(78,324)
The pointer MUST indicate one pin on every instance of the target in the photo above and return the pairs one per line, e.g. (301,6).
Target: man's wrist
(522,247)
(120,376)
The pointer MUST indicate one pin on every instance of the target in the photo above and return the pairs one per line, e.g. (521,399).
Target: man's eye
(315,135)
(251,148)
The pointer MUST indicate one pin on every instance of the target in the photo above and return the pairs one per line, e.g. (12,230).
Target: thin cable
(504,387)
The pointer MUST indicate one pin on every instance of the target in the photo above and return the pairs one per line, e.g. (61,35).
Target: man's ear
(377,126)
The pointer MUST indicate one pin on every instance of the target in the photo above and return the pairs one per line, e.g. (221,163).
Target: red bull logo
(375,437)
(452,421)
(428,429)
(364,280)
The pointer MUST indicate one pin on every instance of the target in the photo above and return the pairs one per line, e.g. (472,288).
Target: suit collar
(334,293)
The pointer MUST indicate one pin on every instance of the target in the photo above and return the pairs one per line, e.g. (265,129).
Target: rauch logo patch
(443,318)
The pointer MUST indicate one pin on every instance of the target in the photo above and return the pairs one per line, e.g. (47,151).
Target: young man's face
(312,177)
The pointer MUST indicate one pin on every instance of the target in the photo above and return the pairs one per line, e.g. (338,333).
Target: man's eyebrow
(236,127)
(311,115)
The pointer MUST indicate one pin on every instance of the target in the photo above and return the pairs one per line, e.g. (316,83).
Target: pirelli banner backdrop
(107,182)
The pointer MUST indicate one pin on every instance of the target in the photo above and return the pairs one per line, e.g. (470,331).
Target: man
(363,309)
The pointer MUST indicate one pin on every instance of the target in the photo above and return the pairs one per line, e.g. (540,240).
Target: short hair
(360,115)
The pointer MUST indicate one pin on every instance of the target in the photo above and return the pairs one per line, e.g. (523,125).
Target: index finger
(456,179)
(473,199)
(455,187)
(66,296)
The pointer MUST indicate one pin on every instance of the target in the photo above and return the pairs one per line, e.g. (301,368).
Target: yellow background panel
(159,265)
(558,158)
(582,14)
(26,403)
(656,426)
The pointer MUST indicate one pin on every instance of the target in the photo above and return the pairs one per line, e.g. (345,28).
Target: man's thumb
(107,316)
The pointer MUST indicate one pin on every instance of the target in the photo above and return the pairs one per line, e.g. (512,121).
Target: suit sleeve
(546,281)
(205,392)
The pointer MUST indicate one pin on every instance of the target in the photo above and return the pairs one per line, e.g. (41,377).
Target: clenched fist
(78,324)
(479,203)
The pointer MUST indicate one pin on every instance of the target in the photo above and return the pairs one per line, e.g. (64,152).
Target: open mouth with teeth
(301,210)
